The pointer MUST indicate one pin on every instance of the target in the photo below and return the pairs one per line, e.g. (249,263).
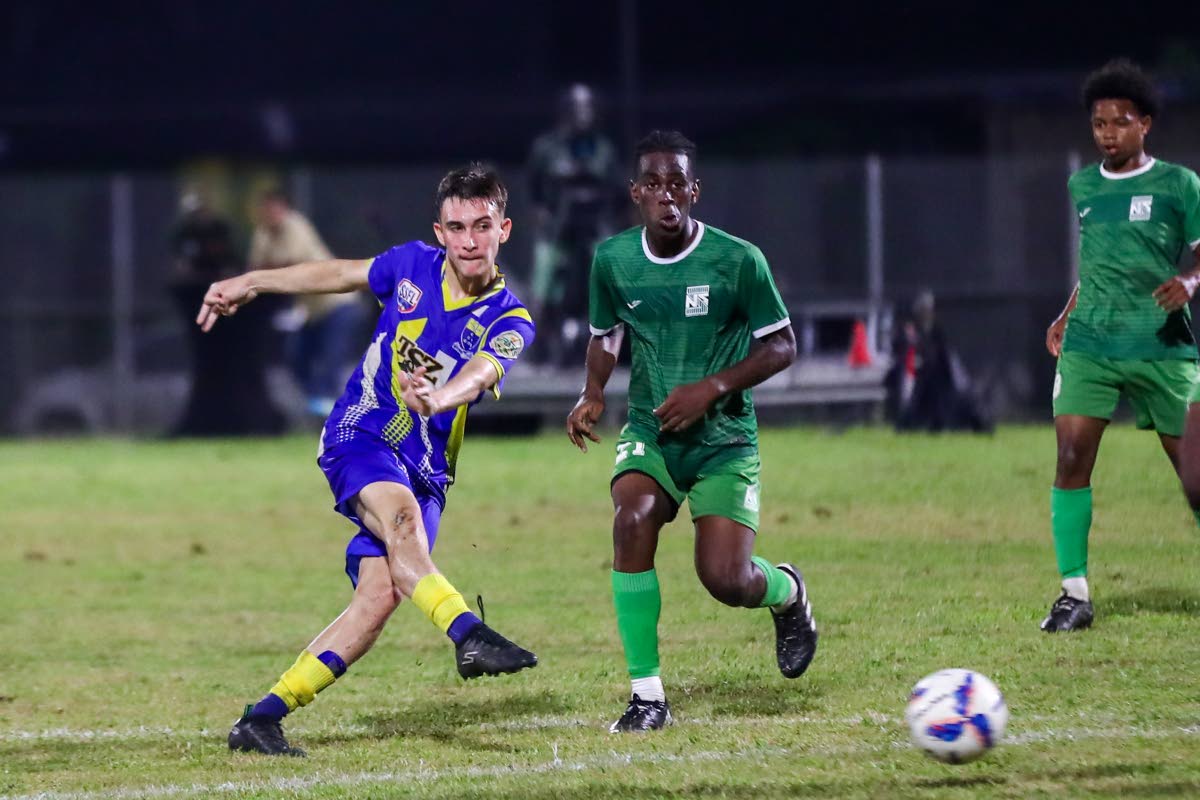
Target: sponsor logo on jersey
(468,343)
(407,296)
(507,345)
(633,304)
(409,357)
(1139,207)
(696,301)
(1085,212)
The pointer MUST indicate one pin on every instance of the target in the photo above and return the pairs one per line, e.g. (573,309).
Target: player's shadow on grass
(756,696)
(1155,600)
(464,722)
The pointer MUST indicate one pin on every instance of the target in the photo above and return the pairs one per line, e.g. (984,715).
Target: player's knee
(1071,460)
(631,525)
(728,584)
(402,523)
(376,601)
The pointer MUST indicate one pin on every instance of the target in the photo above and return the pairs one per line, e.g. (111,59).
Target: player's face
(472,232)
(1118,130)
(665,191)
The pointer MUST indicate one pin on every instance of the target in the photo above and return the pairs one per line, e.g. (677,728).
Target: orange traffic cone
(860,353)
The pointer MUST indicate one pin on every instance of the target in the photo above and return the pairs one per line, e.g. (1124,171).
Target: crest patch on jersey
(468,342)
(696,301)
(508,344)
(1139,207)
(408,294)
(409,357)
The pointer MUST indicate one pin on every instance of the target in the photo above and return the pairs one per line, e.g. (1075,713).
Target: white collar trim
(1120,176)
(687,251)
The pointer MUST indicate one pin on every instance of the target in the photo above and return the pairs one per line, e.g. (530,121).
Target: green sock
(779,585)
(1071,519)
(1196,514)
(638,603)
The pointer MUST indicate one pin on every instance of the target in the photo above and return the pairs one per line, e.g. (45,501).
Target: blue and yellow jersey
(420,325)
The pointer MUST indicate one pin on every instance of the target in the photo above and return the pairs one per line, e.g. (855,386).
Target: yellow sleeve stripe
(499,372)
(519,313)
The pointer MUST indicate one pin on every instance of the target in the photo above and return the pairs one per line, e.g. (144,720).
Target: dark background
(150,84)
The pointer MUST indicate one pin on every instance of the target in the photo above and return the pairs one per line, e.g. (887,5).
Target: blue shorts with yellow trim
(363,460)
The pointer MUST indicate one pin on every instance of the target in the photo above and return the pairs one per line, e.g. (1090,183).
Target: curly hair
(1121,79)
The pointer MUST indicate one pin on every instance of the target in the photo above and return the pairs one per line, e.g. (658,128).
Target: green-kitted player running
(1125,329)
(706,323)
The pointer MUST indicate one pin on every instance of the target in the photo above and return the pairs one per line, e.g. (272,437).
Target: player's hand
(417,392)
(1054,335)
(685,405)
(583,418)
(223,299)
(1175,293)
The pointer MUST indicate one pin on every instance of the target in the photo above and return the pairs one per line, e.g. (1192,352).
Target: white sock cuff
(649,688)
(1077,588)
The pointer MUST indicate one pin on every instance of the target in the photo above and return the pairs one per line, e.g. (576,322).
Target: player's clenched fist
(1054,335)
(223,299)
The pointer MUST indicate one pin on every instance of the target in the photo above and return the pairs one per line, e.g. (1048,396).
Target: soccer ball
(956,715)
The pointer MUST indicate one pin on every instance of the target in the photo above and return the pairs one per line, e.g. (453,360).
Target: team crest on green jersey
(1139,207)
(696,301)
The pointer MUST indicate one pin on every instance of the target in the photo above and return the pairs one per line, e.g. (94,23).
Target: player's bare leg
(640,509)
(355,630)
(1189,458)
(729,570)
(343,642)
(391,512)
(1078,440)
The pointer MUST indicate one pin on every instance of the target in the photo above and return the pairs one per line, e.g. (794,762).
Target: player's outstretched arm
(334,276)
(476,377)
(687,403)
(601,358)
(1054,334)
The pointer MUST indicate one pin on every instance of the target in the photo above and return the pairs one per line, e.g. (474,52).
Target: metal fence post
(874,213)
(121,251)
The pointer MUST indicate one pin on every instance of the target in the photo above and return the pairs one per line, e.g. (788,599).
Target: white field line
(423,774)
(532,723)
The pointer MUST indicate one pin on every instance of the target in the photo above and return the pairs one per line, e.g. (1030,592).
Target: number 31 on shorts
(626,449)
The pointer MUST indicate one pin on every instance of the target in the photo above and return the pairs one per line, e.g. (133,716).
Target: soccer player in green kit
(707,324)
(1125,328)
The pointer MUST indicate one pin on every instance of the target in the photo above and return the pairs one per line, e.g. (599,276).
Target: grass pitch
(149,590)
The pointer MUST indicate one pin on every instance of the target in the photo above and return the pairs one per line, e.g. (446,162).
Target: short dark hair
(657,141)
(475,181)
(275,195)
(1121,79)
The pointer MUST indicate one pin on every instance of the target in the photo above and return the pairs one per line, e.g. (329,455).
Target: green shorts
(716,481)
(1090,386)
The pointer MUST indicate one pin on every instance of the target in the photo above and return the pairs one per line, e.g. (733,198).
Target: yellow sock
(300,684)
(438,600)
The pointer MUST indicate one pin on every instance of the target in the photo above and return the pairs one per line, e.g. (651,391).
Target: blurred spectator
(201,242)
(228,393)
(577,193)
(326,328)
(929,387)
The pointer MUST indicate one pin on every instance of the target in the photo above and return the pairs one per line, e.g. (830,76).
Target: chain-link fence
(91,339)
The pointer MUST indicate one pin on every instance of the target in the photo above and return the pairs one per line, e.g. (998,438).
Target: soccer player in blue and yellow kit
(448,331)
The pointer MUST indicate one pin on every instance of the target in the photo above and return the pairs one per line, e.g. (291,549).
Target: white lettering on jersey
(696,301)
